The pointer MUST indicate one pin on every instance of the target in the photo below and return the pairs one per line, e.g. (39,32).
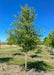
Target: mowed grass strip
(9,50)
(41,56)
(30,63)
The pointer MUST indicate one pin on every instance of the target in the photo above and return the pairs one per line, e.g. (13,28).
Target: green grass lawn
(18,51)
(41,56)
(10,51)
(30,64)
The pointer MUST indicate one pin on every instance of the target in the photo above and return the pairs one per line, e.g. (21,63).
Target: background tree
(24,30)
(49,41)
(51,37)
(11,40)
(0,44)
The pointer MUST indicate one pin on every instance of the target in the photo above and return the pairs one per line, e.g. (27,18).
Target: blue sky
(44,9)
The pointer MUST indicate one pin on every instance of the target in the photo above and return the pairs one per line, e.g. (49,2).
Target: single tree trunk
(25,61)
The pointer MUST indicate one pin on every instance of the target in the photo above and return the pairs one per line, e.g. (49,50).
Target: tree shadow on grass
(18,54)
(38,51)
(51,53)
(35,56)
(38,65)
(52,57)
(5,59)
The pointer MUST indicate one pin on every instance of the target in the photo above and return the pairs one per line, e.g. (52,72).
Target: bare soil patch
(17,70)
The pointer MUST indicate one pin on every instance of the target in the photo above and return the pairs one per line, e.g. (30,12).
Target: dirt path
(17,70)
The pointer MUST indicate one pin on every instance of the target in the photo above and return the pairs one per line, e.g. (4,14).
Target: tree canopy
(50,39)
(24,32)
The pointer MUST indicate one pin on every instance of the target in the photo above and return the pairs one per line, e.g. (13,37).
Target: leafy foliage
(24,32)
(50,39)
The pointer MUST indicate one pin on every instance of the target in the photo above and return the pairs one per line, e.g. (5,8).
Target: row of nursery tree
(49,41)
